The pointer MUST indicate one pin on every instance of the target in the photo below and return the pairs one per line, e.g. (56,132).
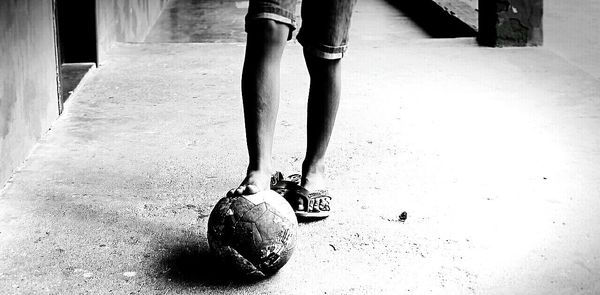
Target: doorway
(77,44)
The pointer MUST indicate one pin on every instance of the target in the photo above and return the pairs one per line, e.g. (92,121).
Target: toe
(251,189)
(300,205)
(323,205)
(312,205)
(240,190)
(231,192)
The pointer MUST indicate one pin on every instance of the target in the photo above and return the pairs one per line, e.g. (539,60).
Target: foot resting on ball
(255,182)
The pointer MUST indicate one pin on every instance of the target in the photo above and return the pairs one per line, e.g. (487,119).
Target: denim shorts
(325,23)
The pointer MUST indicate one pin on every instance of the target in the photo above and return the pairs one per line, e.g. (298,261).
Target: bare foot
(313,178)
(255,181)
(313,181)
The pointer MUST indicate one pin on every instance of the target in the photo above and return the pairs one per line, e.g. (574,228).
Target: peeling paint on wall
(28,93)
(511,22)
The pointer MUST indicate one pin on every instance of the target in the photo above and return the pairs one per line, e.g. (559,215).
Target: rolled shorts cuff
(323,51)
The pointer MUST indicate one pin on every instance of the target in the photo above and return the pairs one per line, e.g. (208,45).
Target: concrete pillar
(510,22)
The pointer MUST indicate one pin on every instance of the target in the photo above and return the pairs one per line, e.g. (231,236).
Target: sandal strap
(287,186)
(276,177)
(296,178)
(318,195)
(291,190)
(297,192)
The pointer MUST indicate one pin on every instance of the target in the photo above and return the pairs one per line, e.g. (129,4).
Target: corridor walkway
(493,154)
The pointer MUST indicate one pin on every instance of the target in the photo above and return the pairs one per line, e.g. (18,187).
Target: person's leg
(324,36)
(323,101)
(260,93)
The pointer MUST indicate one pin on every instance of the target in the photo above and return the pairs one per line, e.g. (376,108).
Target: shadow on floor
(71,75)
(433,19)
(191,264)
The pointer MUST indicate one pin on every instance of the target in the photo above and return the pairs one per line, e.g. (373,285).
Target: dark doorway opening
(77,44)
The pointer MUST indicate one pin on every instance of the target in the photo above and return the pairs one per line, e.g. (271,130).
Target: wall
(124,21)
(28,85)
(465,10)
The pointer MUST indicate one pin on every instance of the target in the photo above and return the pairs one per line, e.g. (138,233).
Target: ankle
(264,169)
(313,168)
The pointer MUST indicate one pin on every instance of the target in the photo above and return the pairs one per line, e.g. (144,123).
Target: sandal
(315,204)
(275,178)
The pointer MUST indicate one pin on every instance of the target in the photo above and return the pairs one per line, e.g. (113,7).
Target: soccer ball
(254,234)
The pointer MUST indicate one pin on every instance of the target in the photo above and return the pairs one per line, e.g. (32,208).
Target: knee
(268,31)
(320,67)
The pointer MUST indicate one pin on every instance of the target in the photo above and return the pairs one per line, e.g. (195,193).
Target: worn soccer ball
(253,234)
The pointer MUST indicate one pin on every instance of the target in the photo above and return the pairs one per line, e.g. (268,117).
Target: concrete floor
(493,153)
(571,31)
